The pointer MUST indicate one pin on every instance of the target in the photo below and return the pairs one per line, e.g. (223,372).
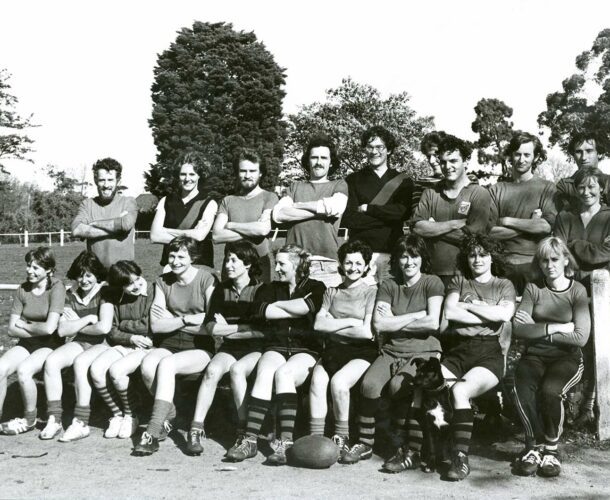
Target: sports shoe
(165,430)
(342,443)
(114,426)
(77,430)
(402,461)
(194,445)
(550,466)
(16,426)
(278,457)
(129,426)
(247,448)
(52,429)
(459,467)
(147,445)
(528,463)
(356,453)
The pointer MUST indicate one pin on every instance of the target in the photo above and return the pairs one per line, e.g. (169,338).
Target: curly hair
(86,262)
(246,252)
(383,133)
(107,164)
(431,140)
(119,274)
(299,257)
(479,242)
(413,245)
(450,143)
(518,139)
(45,258)
(354,246)
(552,245)
(321,141)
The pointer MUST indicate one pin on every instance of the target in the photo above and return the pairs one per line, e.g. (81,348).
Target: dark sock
(462,429)
(82,413)
(316,426)
(108,399)
(287,410)
(159,414)
(125,398)
(415,435)
(366,420)
(257,411)
(30,416)
(54,409)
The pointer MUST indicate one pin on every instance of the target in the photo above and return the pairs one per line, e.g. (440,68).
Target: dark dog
(438,409)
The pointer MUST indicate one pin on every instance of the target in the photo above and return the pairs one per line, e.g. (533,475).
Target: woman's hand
(220,319)
(384,309)
(92,319)
(523,318)
(141,341)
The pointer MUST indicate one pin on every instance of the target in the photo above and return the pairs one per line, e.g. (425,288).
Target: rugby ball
(313,452)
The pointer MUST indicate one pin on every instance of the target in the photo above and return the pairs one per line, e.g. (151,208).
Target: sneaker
(77,430)
(356,453)
(129,426)
(16,426)
(278,457)
(52,429)
(240,437)
(194,445)
(246,449)
(550,466)
(459,468)
(165,430)
(528,463)
(402,461)
(342,443)
(114,426)
(147,445)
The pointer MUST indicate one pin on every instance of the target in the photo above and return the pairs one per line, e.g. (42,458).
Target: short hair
(321,141)
(489,245)
(354,246)
(584,174)
(518,139)
(580,136)
(187,243)
(45,258)
(552,245)
(86,262)
(450,143)
(251,155)
(299,257)
(413,245)
(119,274)
(107,164)
(246,252)
(430,140)
(378,131)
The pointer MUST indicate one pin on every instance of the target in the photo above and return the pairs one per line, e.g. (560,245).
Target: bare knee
(24,372)
(339,387)
(98,375)
(461,393)
(213,374)
(319,384)
(166,367)
(237,372)
(284,372)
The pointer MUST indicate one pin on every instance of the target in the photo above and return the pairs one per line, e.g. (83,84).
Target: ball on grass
(313,452)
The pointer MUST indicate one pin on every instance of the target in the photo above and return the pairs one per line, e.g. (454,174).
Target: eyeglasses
(373,149)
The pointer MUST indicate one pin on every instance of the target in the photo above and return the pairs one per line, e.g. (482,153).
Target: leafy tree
(494,127)
(584,104)
(13,145)
(348,110)
(215,90)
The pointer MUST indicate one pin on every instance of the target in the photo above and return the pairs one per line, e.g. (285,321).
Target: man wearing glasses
(379,200)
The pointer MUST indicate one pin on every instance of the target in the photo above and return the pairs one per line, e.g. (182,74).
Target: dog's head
(428,375)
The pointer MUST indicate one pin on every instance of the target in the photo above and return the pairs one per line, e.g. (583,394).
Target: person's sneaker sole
(47,438)
(62,440)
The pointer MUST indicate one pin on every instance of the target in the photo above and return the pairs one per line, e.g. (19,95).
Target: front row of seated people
(292,330)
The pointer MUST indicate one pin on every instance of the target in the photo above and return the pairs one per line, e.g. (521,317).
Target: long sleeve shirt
(131,316)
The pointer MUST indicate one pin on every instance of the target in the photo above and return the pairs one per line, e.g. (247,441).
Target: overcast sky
(85,68)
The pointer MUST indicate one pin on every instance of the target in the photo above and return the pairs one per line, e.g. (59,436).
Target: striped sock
(160,412)
(462,429)
(287,411)
(366,420)
(125,398)
(316,426)
(54,409)
(109,400)
(30,416)
(82,413)
(415,435)
(342,427)
(257,410)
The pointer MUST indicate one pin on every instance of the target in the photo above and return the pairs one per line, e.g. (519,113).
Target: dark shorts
(33,344)
(181,341)
(239,350)
(470,352)
(337,355)
(88,340)
(288,352)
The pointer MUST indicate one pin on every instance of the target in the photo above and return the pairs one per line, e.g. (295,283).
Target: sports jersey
(131,316)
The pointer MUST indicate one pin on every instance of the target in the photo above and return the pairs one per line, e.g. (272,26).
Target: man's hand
(362,208)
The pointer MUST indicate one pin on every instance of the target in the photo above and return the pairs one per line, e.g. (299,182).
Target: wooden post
(61,237)
(600,297)
(50,240)
(25,238)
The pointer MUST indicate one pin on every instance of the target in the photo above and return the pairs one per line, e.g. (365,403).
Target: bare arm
(385,321)
(531,226)
(104,324)
(40,328)
(261,227)
(503,233)
(222,234)
(203,227)
(327,324)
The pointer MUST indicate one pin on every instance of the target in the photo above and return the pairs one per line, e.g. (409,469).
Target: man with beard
(247,214)
(107,221)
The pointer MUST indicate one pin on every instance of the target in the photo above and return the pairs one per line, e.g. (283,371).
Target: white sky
(85,68)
